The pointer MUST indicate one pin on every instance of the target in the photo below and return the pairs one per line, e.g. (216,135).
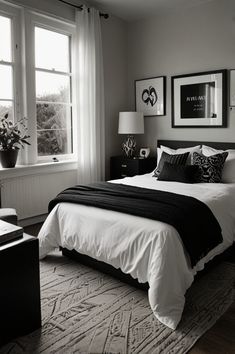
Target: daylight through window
(6,68)
(53,92)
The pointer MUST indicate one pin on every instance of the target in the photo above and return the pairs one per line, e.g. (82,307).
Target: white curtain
(90,102)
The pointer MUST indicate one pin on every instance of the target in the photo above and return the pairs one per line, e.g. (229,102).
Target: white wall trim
(37,169)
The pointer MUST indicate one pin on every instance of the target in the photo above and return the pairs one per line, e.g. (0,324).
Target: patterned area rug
(85,311)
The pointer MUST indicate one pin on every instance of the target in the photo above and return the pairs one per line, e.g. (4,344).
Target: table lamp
(130,123)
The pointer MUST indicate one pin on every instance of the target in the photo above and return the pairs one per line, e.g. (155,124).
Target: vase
(8,158)
(129,146)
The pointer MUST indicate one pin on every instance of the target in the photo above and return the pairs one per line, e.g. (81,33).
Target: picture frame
(144,152)
(150,96)
(232,88)
(199,100)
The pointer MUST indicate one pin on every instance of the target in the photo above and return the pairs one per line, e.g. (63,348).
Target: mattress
(148,250)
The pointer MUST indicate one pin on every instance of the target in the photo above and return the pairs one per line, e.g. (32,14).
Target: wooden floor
(33,229)
(220,339)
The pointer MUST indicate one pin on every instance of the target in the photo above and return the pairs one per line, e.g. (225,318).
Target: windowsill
(39,168)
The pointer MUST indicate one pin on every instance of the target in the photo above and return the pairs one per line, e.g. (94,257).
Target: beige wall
(198,39)
(114,33)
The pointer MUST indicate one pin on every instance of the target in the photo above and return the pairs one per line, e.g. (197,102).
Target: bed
(139,248)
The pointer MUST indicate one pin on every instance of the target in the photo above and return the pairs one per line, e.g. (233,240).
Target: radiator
(30,195)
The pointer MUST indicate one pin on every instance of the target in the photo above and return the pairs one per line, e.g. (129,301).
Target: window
(6,67)
(53,92)
(36,80)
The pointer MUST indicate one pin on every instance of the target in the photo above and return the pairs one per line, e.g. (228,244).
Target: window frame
(32,20)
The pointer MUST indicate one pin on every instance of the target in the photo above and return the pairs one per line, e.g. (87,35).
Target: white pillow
(159,155)
(208,151)
(191,150)
(228,174)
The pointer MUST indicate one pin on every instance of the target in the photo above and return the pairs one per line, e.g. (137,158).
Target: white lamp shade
(131,123)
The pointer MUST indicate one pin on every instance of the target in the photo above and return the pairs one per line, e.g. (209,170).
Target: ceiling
(132,10)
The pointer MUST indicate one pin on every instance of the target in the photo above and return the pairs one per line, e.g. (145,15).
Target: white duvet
(148,250)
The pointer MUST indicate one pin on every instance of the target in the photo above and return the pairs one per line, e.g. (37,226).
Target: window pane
(51,50)
(52,87)
(6,107)
(5,39)
(6,82)
(53,116)
(54,142)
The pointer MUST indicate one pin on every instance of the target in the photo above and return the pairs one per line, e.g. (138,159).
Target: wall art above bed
(150,96)
(199,100)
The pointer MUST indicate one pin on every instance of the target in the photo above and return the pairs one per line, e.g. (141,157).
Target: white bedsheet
(148,250)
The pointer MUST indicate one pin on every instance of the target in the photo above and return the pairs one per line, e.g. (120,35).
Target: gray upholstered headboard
(176,144)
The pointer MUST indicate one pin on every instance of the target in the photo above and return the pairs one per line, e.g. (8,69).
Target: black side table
(20,309)
(122,166)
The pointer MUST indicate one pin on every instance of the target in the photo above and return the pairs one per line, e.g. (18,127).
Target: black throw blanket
(197,226)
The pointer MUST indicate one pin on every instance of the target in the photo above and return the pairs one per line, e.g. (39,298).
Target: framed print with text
(199,100)
(150,96)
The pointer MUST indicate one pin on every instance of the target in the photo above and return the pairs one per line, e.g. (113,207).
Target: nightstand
(20,310)
(122,166)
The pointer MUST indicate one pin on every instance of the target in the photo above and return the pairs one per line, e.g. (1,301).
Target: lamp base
(129,146)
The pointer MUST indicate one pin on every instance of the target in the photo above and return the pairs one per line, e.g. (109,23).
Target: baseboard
(33,220)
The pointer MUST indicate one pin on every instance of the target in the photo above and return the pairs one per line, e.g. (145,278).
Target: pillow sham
(208,150)
(228,174)
(179,173)
(210,167)
(177,159)
(191,150)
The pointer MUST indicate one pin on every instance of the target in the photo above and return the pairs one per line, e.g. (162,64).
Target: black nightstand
(121,166)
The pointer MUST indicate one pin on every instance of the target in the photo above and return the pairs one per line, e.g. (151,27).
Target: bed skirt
(227,255)
(104,267)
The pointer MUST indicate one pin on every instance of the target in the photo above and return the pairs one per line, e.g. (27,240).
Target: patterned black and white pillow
(175,159)
(210,167)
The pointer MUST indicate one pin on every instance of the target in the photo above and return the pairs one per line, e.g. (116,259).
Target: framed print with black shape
(150,96)
(199,100)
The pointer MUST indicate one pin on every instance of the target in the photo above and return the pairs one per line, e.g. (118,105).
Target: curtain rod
(80,7)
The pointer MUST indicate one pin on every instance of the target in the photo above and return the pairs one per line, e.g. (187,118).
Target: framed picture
(150,96)
(199,100)
(232,88)
(144,152)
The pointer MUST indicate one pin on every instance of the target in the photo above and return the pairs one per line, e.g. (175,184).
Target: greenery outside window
(53,92)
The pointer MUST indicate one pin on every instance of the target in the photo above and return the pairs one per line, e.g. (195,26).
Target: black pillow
(179,173)
(177,159)
(210,167)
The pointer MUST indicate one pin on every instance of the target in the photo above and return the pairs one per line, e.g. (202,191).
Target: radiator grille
(30,195)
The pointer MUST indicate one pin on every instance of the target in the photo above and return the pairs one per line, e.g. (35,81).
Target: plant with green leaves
(13,135)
